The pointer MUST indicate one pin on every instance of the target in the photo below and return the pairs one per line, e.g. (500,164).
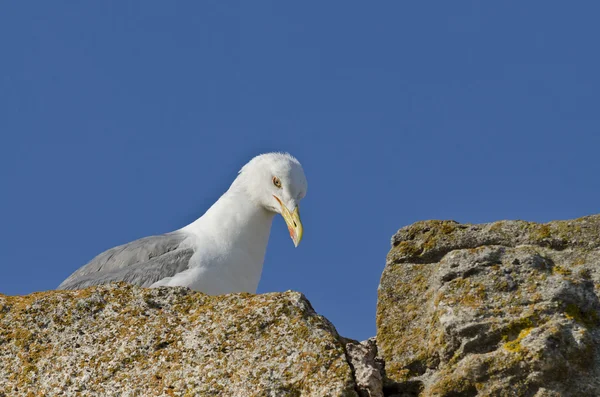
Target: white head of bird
(276,182)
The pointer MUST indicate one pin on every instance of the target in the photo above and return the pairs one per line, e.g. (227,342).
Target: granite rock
(508,308)
(367,367)
(121,340)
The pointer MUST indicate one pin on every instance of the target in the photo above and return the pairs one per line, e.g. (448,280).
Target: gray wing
(141,262)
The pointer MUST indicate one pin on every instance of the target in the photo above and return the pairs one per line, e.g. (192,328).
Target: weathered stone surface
(120,340)
(366,366)
(505,309)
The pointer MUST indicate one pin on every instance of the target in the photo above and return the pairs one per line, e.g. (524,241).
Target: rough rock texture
(504,309)
(366,366)
(120,340)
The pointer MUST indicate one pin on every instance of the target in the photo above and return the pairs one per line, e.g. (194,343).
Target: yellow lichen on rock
(508,308)
(119,340)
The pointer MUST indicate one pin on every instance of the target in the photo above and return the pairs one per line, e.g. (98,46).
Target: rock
(366,366)
(121,340)
(505,309)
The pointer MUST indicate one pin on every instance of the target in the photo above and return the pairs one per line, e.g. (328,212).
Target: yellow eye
(277,182)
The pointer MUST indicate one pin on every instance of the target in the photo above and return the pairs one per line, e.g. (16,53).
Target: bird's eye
(277,182)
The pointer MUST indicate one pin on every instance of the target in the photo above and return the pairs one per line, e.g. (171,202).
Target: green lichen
(561,270)
(437,230)
(579,261)
(454,386)
(513,329)
(408,249)
(404,333)
(541,232)
(464,292)
(588,318)
(422,237)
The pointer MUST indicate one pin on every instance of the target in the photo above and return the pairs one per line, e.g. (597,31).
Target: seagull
(222,251)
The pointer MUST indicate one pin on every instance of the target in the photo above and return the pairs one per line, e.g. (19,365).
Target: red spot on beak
(292,233)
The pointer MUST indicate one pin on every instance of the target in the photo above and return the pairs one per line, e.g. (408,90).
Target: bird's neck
(236,224)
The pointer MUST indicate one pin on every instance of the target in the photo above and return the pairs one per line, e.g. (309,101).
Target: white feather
(230,239)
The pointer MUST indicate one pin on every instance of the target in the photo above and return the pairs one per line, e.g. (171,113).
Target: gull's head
(276,181)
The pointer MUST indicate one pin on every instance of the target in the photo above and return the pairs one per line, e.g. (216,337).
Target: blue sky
(125,119)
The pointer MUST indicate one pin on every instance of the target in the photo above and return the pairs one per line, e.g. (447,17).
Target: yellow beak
(292,219)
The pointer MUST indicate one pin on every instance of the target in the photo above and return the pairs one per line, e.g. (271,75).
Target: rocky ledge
(120,340)
(502,309)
